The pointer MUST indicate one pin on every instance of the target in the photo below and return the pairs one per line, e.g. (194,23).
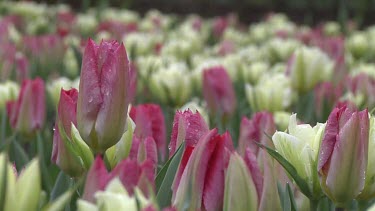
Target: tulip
(272,93)
(202,181)
(195,106)
(103,94)
(115,197)
(188,127)
(54,88)
(218,91)
(149,121)
(23,191)
(130,172)
(307,67)
(240,189)
(326,95)
(357,44)
(27,113)
(300,147)
(62,155)
(8,91)
(279,50)
(144,149)
(343,154)
(368,192)
(361,89)
(254,130)
(171,84)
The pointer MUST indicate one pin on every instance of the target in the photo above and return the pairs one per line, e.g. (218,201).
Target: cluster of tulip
(194,114)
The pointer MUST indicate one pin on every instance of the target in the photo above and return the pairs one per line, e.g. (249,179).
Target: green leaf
(60,202)
(46,180)
(165,177)
(18,155)
(61,185)
(301,183)
(291,197)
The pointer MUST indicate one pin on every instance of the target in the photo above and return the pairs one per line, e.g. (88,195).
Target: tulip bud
(300,146)
(218,91)
(27,113)
(115,197)
(195,106)
(130,172)
(144,149)
(188,127)
(279,50)
(255,130)
(240,189)
(272,93)
(281,120)
(202,181)
(368,192)
(307,67)
(70,63)
(149,121)
(103,94)
(22,192)
(357,44)
(343,154)
(8,92)
(253,72)
(54,88)
(63,154)
(172,84)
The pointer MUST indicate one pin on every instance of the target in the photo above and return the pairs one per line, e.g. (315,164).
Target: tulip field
(115,110)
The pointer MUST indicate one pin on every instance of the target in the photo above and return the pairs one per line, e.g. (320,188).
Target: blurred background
(300,11)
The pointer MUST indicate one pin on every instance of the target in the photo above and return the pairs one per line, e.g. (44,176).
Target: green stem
(314,204)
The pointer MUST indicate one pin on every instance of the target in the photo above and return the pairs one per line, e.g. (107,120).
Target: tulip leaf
(165,177)
(60,202)
(3,179)
(18,155)
(61,185)
(46,181)
(301,183)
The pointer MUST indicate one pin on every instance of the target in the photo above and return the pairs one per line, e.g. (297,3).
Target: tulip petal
(114,80)
(90,98)
(97,178)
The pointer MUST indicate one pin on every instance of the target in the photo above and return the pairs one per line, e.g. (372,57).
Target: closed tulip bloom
(343,154)
(254,130)
(240,188)
(149,121)
(187,126)
(203,178)
(307,67)
(368,192)
(218,91)
(103,96)
(130,172)
(66,116)
(27,113)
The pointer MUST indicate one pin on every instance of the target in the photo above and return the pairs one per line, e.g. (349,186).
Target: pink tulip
(66,116)
(144,149)
(130,172)
(27,113)
(103,94)
(218,91)
(256,130)
(343,154)
(149,121)
(188,127)
(203,176)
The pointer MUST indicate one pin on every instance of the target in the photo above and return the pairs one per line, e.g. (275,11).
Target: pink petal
(97,178)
